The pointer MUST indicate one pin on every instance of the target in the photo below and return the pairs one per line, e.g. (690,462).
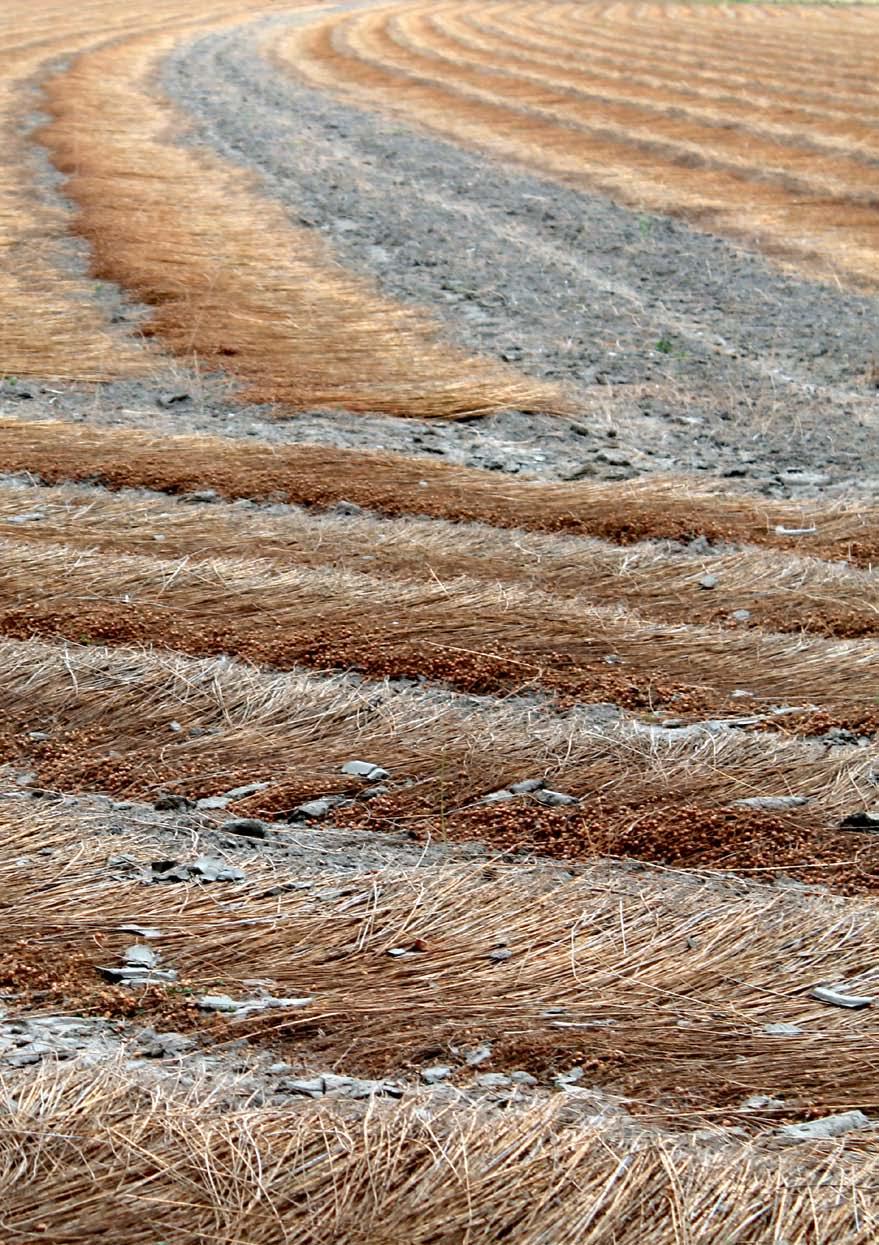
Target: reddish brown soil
(678,834)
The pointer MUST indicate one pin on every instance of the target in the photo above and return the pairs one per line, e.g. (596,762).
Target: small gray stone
(840,737)
(310,1087)
(313,809)
(356,1087)
(251,788)
(172,398)
(741,616)
(154,1045)
(137,975)
(553,799)
(769,803)
(477,1056)
(212,870)
(708,581)
(365,769)
(38,737)
(614,458)
(782,1030)
(142,931)
(204,495)
(836,998)
(217,1003)
(498,797)
(21,1058)
(173,804)
(829,1126)
(527,787)
(165,871)
(246,1006)
(494,1080)
(762,1102)
(581,472)
(523,1078)
(175,727)
(812,479)
(571,1077)
(247,827)
(211,802)
(142,956)
(864,820)
(349,508)
(500,953)
(437,1072)
(344,1086)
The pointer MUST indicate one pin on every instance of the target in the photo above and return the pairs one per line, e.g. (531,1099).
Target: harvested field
(439,623)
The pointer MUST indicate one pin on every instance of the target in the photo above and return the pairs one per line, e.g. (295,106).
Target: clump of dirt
(858,720)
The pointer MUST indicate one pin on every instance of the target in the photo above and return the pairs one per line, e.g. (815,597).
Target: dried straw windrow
(477,636)
(129,723)
(735,44)
(752,587)
(660,118)
(185,1166)
(607,963)
(667,75)
(799,198)
(51,324)
(269,304)
(392,484)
